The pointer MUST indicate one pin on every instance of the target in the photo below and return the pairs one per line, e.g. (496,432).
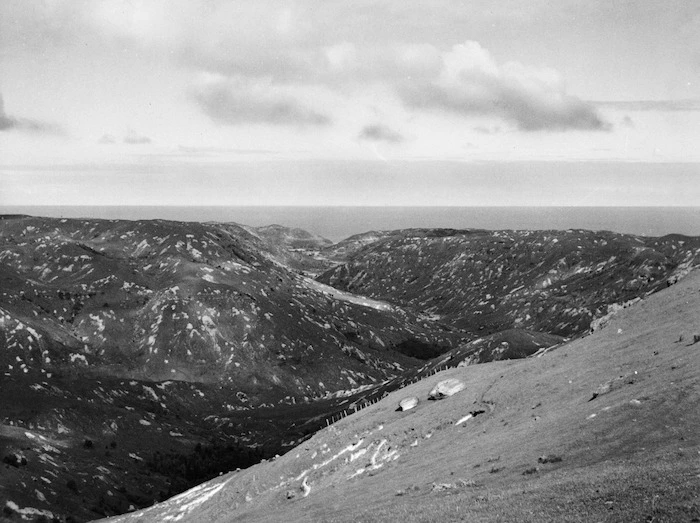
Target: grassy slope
(629,455)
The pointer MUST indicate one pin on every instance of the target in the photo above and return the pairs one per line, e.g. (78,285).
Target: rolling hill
(604,428)
(488,281)
(160,336)
(140,358)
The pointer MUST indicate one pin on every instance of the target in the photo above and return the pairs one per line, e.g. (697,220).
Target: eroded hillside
(127,344)
(195,302)
(603,428)
(140,358)
(487,281)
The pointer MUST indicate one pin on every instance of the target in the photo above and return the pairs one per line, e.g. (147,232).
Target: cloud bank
(239,100)
(265,52)
(11,123)
(689,104)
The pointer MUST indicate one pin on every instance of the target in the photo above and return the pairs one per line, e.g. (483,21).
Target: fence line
(357,407)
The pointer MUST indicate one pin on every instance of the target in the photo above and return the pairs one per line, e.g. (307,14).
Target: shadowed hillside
(487,281)
(141,358)
(603,428)
(156,335)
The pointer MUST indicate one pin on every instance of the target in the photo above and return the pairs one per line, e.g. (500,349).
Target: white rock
(408,403)
(446,388)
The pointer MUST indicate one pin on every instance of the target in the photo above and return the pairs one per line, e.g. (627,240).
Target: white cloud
(472,83)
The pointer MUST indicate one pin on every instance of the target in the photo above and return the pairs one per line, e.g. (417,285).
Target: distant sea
(337,223)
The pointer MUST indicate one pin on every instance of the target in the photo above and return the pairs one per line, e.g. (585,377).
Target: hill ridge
(640,432)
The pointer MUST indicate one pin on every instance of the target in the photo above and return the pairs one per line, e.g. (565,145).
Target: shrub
(549,458)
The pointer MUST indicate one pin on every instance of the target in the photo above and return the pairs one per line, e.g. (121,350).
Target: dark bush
(421,350)
(204,463)
(15,459)
(549,458)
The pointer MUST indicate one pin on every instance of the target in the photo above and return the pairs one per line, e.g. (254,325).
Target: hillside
(604,428)
(487,281)
(140,358)
(294,247)
(155,336)
(195,302)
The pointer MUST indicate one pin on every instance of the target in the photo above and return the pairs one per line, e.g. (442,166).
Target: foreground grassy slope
(614,415)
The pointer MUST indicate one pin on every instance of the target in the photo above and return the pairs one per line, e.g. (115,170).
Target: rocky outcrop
(613,309)
(408,403)
(446,388)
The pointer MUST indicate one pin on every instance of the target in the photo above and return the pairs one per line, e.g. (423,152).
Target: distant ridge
(340,222)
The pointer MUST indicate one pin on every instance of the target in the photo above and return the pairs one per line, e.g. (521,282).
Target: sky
(322,102)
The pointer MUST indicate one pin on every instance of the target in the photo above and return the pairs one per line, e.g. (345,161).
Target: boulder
(446,388)
(408,403)
(16,459)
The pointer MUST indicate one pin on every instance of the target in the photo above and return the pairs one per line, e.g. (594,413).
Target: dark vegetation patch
(420,349)
(185,470)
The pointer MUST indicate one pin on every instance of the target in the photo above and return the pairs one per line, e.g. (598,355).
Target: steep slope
(295,248)
(486,281)
(154,337)
(347,248)
(197,302)
(603,428)
(291,237)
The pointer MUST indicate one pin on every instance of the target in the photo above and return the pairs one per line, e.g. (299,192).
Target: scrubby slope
(486,281)
(197,302)
(158,336)
(291,237)
(603,428)
(296,248)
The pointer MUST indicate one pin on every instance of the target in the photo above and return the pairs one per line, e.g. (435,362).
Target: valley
(142,358)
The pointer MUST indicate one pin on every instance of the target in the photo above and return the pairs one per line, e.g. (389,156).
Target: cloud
(222,150)
(239,100)
(689,104)
(482,129)
(133,138)
(107,139)
(472,83)
(268,50)
(130,138)
(11,123)
(380,133)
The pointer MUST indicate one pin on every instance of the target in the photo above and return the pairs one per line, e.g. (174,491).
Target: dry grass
(632,454)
